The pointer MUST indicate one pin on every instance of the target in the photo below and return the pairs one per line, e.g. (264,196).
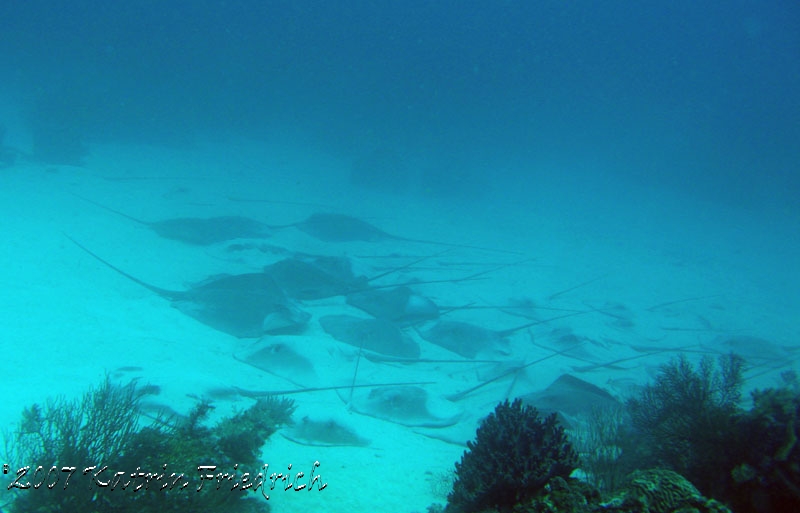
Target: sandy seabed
(652,268)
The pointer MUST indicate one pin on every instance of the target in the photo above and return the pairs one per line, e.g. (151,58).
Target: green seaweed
(124,462)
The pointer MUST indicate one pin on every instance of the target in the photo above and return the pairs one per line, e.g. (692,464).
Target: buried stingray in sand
(408,405)
(243,305)
(200,231)
(279,359)
(323,433)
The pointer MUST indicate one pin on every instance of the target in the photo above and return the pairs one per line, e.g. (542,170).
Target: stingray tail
(170,294)
(283,226)
(475,276)
(515,329)
(113,211)
(457,245)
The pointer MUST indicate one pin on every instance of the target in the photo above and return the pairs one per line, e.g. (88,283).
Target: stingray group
(243,305)
(251,305)
(325,227)
(397,324)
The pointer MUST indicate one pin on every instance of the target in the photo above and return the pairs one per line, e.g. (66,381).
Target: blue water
(645,154)
(680,95)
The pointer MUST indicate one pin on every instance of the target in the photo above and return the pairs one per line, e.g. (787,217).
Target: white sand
(67,321)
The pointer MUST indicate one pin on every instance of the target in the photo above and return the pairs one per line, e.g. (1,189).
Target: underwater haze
(212,197)
(695,97)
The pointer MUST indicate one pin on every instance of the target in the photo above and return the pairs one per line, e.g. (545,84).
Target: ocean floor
(637,269)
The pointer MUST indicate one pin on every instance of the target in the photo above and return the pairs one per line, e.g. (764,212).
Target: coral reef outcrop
(513,457)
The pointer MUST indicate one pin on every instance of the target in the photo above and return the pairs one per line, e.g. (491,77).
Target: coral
(687,419)
(104,429)
(565,495)
(514,456)
(643,491)
(690,421)
(661,491)
(768,477)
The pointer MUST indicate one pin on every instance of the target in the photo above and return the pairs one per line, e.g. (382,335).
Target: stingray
(243,305)
(562,338)
(469,339)
(315,278)
(344,228)
(282,360)
(200,231)
(759,353)
(309,277)
(464,338)
(399,305)
(512,370)
(406,405)
(571,397)
(376,335)
(323,433)
(621,314)
(752,347)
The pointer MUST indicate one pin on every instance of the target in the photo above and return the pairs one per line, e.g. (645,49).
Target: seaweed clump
(690,421)
(687,420)
(105,432)
(643,491)
(515,454)
(599,441)
(768,479)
